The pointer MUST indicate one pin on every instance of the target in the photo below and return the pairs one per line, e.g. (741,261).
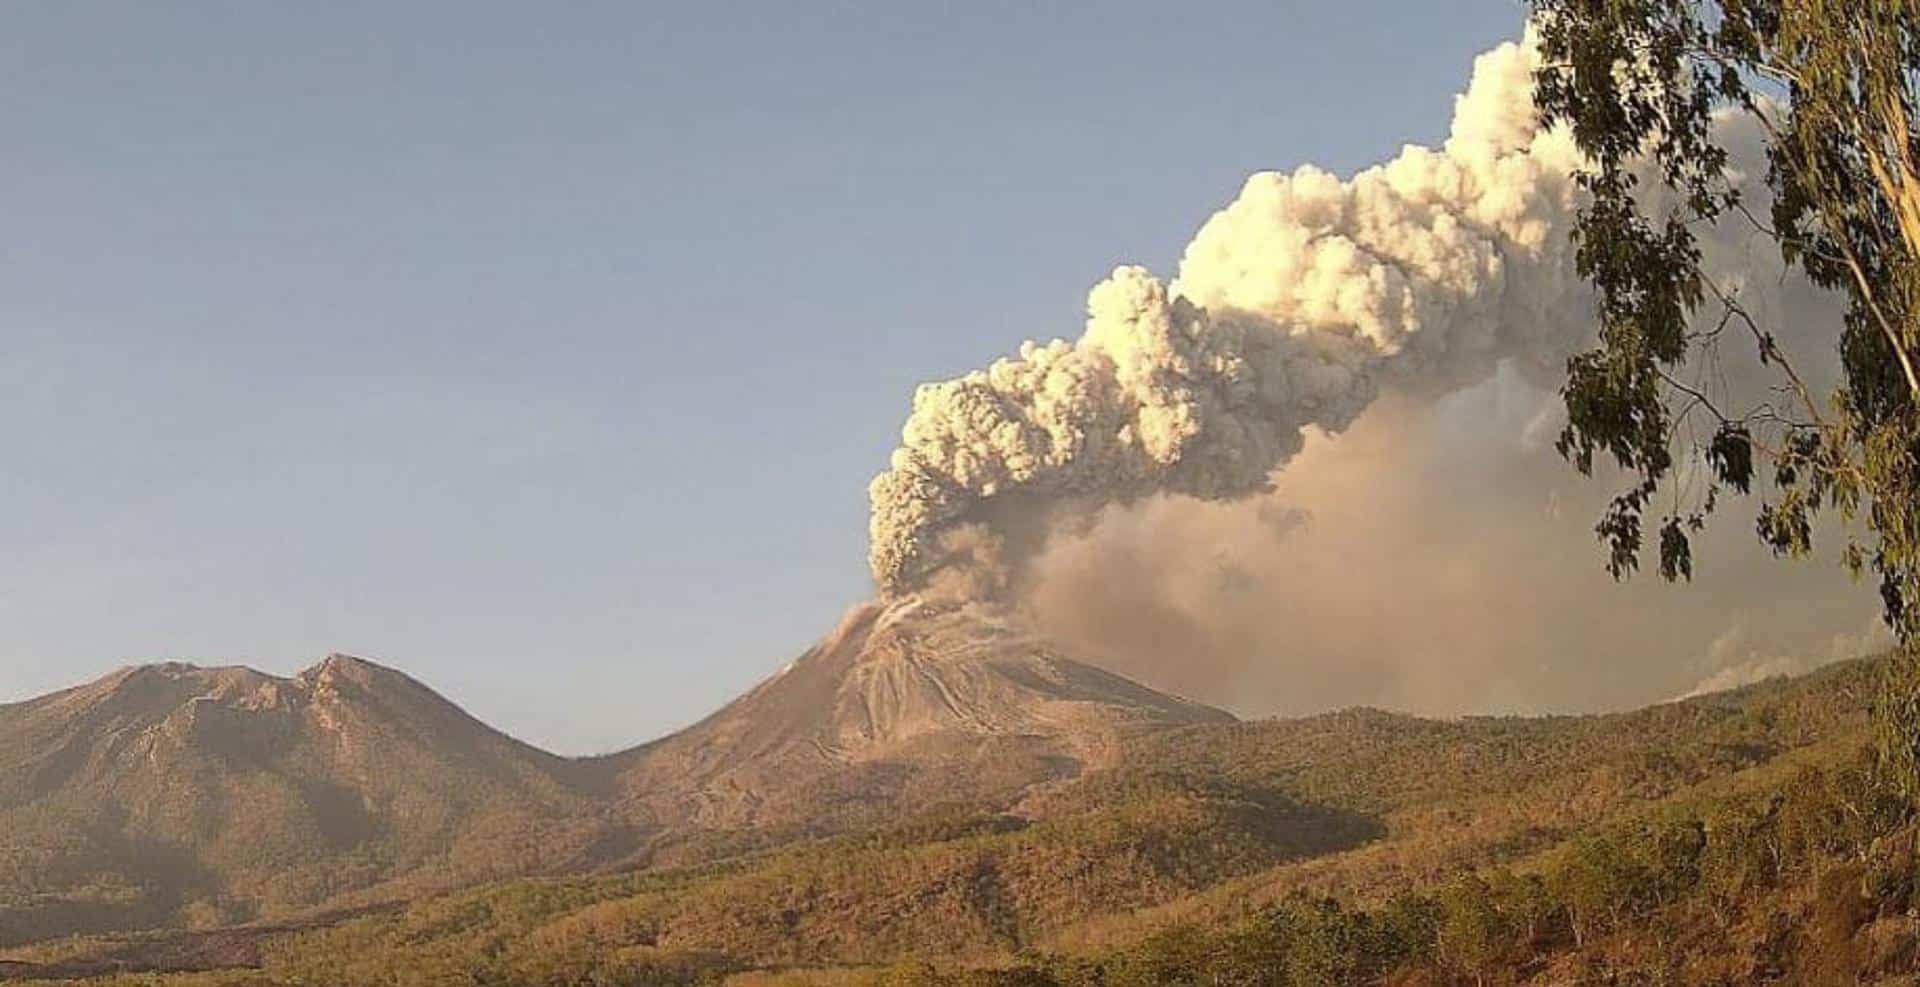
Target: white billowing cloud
(1737,660)
(1313,469)
(1295,307)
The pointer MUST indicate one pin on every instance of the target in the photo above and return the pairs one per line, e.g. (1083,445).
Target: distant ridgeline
(931,796)
(177,796)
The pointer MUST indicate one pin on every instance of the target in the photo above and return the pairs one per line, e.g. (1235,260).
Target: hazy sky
(546,351)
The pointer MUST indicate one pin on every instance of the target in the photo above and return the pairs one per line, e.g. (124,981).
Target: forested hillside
(1334,849)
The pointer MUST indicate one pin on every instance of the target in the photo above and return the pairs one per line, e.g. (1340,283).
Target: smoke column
(1295,305)
(1435,558)
(1295,308)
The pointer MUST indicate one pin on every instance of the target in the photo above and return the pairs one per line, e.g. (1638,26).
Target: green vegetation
(1657,94)
(1357,847)
(1811,882)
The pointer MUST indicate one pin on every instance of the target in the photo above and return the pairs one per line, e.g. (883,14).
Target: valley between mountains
(926,782)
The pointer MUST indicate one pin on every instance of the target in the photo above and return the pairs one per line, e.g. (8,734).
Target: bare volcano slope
(174,794)
(905,703)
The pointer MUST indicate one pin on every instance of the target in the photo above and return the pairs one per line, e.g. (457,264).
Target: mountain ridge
(1010,792)
(1210,825)
(173,793)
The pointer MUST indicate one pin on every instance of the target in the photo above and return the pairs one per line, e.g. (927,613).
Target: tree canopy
(1645,88)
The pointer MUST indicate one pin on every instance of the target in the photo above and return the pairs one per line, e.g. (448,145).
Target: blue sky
(546,352)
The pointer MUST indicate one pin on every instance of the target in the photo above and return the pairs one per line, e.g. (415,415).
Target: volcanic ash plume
(1294,306)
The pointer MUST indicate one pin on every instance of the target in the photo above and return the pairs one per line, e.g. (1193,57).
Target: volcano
(173,794)
(905,701)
